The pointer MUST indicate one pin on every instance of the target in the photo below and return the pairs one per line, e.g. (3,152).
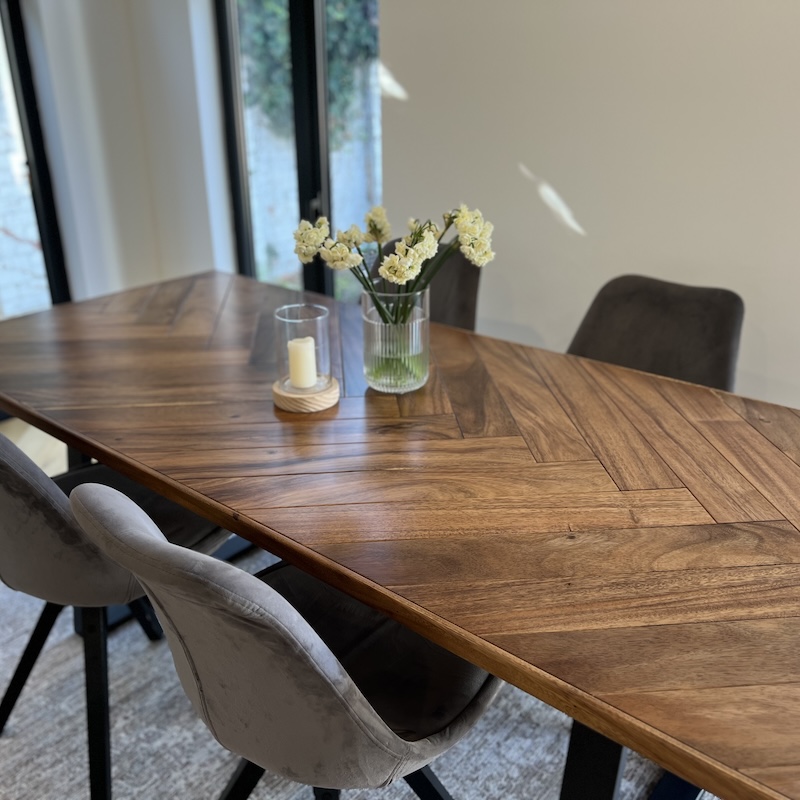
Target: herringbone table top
(624,547)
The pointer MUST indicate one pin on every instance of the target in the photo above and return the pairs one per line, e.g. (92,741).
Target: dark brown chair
(686,332)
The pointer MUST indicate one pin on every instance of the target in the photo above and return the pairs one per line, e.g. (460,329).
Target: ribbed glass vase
(396,349)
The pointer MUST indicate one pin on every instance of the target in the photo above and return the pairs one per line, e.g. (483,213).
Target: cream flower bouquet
(417,257)
(395,302)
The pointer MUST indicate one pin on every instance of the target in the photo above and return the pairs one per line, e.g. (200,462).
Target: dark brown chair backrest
(686,332)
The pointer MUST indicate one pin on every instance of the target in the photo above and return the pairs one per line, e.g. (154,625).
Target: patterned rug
(161,750)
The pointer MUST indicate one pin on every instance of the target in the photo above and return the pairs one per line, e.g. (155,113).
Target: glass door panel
(24,287)
(353,129)
(354,119)
(266,79)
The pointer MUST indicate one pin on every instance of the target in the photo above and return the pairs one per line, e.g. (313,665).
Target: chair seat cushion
(178,524)
(417,687)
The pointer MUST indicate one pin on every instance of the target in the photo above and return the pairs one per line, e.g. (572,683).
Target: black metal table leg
(594,766)
(426,785)
(671,787)
(77,459)
(243,781)
(97,715)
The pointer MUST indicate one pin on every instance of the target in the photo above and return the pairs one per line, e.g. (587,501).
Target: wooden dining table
(622,546)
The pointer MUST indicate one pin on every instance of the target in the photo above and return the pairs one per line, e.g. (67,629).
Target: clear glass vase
(396,349)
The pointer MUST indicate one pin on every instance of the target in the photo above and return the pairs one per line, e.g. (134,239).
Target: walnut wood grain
(277,433)
(476,401)
(623,546)
(716,483)
(350,347)
(405,455)
(665,657)
(608,602)
(540,513)
(208,412)
(711,712)
(386,486)
(430,400)
(629,458)
(540,556)
(542,422)
(778,424)
(770,471)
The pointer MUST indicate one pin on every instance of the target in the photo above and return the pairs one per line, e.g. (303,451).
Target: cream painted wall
(671,129)
(129,97)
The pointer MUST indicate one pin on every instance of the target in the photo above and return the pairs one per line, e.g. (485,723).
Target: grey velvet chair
(454,291)
(686,332)
(290,673)
(44,553)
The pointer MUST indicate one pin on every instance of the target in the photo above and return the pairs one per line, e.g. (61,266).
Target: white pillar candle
(302,363)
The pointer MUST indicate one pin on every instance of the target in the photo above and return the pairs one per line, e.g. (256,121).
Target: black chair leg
(243,781)
(426,785)
(671,787)
(142,609)
(35,644)
(326,794)
(594,766)
(95,644)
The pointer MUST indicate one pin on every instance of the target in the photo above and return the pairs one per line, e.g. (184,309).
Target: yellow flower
(408,259)
(378,228)
(393,269)
(417,257)
(337,255)
(429,244)
(474,235)
(310,238)
(353,237)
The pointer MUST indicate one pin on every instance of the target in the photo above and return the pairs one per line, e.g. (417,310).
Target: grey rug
(161,750)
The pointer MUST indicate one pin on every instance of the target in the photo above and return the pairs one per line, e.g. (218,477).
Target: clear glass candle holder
(302,341)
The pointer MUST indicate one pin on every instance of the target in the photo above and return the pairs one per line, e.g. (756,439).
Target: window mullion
(310,92)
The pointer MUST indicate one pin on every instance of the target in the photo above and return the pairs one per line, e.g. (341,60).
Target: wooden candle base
(306,403)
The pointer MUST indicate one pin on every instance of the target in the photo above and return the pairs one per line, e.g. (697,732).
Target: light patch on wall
(552,199)
(390,86)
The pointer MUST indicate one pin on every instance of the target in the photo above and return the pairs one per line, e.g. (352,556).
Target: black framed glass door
(303,113)
(32,269)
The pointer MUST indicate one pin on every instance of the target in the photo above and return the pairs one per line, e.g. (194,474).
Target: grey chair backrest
(258,675)
(686,332)
(453,292)
(43,550)
(45,553)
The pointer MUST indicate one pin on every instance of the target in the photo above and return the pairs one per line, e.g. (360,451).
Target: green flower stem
(362,275)
(428,273)
(399,312)
(448,223)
